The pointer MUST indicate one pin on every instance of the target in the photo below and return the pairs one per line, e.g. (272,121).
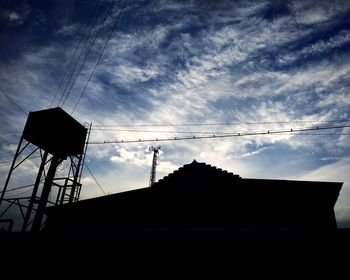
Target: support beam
(45,194)
(34,192)
(11,169)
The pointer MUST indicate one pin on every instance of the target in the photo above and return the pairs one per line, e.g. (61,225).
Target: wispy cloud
(68,29)
(339,40)
(15,16)
(306,12)
(137,156)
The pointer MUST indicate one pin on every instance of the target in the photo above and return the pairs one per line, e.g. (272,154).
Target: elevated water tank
(55,131)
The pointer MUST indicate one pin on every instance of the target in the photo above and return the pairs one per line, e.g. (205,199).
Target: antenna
(155,151)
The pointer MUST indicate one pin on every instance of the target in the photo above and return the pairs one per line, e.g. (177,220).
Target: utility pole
(155,151)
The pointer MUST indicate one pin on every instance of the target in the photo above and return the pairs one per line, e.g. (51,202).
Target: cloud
(339,99)
(16,16)
(13,16)
(342,38)
(131,73)
(67,29)
(32,76)
(206,78)
(87,181)
(134,156)
(124,45)
(249,154)
(166,166)
(306,12)
(323,74)
(314,16)
(317,48)
(99,151)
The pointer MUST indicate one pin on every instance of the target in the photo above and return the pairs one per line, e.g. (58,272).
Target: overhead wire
(268,132)
(76,50)
(161,131)
(165,131)
(87,52)
(92,175)
(90,48)
(100,56)
(322,134)
(217,124)
(14,102)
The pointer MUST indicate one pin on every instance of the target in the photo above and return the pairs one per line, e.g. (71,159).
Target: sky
(158,69)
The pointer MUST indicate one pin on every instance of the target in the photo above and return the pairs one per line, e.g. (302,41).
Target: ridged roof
(200,168)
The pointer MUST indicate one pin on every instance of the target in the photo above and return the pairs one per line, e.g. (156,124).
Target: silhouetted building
(200,196)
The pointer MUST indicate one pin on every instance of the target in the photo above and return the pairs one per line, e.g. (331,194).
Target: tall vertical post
(75,179)
(154,164)
(83,155)
(55,161)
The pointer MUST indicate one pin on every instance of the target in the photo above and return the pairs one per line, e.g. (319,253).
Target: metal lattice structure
(155,151)
(59,166)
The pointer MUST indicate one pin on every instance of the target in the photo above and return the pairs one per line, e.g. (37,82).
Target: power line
(269,132)
(90,47)
(322,134)
(188,132)
(84,60)
(218,124)
(100,56)
(98,184)
(14,102)
(162,131)
(75,51)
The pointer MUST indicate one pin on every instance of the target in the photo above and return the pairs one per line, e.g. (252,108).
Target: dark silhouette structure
(155,151)
(201,198)
(56,132)
(56,136)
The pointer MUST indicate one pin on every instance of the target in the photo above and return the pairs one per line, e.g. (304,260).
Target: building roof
(197,173)
(199,195)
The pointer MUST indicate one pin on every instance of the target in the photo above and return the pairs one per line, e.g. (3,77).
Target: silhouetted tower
(55,137)
(155,151)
